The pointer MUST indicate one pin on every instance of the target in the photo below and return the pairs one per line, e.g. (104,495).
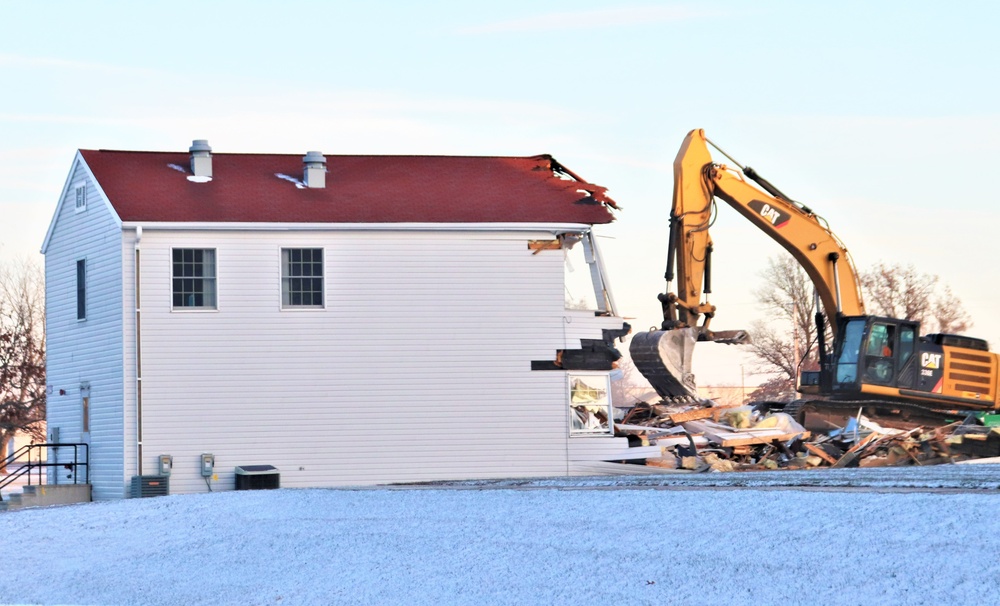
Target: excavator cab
(874,351)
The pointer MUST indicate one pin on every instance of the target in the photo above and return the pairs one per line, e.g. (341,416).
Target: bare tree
(22,354)
(900,291)
(787,295)
(775,389)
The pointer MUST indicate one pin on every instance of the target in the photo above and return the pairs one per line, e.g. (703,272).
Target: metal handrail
(25,469)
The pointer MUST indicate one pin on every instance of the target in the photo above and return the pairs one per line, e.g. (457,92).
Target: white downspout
(138,354)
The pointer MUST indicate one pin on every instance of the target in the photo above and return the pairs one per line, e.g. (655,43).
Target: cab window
(881,340)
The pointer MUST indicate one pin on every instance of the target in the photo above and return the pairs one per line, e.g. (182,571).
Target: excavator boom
(794,226)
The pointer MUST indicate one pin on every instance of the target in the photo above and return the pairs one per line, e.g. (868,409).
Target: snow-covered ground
(567,541)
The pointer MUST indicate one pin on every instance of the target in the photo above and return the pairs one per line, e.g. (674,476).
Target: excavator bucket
(664,358)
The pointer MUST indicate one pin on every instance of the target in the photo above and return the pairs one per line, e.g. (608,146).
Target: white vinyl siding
(419,368)
(81,353)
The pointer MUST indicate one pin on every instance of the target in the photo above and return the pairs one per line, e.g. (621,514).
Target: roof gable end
(81,163)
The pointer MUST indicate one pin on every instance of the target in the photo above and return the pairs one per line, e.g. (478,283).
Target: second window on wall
(301,277)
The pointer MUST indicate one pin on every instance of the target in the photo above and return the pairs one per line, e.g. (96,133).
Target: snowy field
(552,542)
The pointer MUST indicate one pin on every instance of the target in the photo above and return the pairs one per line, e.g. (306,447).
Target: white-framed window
(193,281)
(301,277)
(81,289)
(590,404)
(81,197)
(85,407)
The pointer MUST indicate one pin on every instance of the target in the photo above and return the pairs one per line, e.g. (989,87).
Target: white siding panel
(417,369)
(89,350)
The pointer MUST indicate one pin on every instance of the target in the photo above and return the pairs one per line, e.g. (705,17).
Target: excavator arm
(794,226)
(664,356)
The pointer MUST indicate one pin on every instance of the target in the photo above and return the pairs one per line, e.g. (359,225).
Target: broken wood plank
(699,413)
(854,452)
(540,245)
(819,452)
(744,438)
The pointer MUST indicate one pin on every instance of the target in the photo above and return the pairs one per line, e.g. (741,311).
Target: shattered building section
(586,351)
(706,437)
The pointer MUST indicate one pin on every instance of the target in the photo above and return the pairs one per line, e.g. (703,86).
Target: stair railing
(51,460)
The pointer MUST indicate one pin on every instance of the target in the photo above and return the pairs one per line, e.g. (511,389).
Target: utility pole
(743,384)
(795,340)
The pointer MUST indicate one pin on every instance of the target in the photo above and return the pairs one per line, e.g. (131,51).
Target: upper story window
(81,289)
(193,277)
(81,197)
(301,277)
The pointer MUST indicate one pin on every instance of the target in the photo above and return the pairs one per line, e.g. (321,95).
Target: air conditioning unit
(150,486)
(257,477)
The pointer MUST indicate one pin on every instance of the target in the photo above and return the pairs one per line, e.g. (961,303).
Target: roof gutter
(556,228)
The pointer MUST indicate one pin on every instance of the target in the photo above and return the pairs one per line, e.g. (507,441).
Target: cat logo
(772,215)
(930,360)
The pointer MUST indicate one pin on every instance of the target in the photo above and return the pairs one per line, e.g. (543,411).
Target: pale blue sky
(881,115)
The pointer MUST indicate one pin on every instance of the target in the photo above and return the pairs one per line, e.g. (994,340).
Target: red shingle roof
(142,186)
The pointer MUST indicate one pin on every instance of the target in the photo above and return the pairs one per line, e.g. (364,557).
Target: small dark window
(193,278)
(302,277)
(81,289)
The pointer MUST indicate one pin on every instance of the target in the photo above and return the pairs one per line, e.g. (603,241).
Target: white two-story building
(348,320)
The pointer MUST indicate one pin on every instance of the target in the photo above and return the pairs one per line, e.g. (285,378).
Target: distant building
(346,319)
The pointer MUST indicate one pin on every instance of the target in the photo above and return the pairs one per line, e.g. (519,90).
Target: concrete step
(42,496)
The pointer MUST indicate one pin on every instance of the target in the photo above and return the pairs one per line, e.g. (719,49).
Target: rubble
(701,435)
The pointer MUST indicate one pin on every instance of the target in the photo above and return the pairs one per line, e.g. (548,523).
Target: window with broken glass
(589,404)
(301,277)
(193,277)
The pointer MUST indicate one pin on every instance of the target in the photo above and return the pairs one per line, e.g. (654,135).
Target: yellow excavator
(879,365)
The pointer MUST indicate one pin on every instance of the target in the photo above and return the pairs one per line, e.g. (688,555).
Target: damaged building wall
(417,367)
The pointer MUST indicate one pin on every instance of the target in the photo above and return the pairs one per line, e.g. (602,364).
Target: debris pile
(708,437)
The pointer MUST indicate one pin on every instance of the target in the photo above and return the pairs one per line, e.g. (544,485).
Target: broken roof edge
(597,192)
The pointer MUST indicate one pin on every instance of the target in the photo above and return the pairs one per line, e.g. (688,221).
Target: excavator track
(823,415)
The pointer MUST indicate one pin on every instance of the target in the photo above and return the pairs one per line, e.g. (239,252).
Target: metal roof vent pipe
(315,170)
(201,160)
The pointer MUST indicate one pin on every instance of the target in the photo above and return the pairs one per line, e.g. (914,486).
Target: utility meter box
(207,465)
(166,464)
